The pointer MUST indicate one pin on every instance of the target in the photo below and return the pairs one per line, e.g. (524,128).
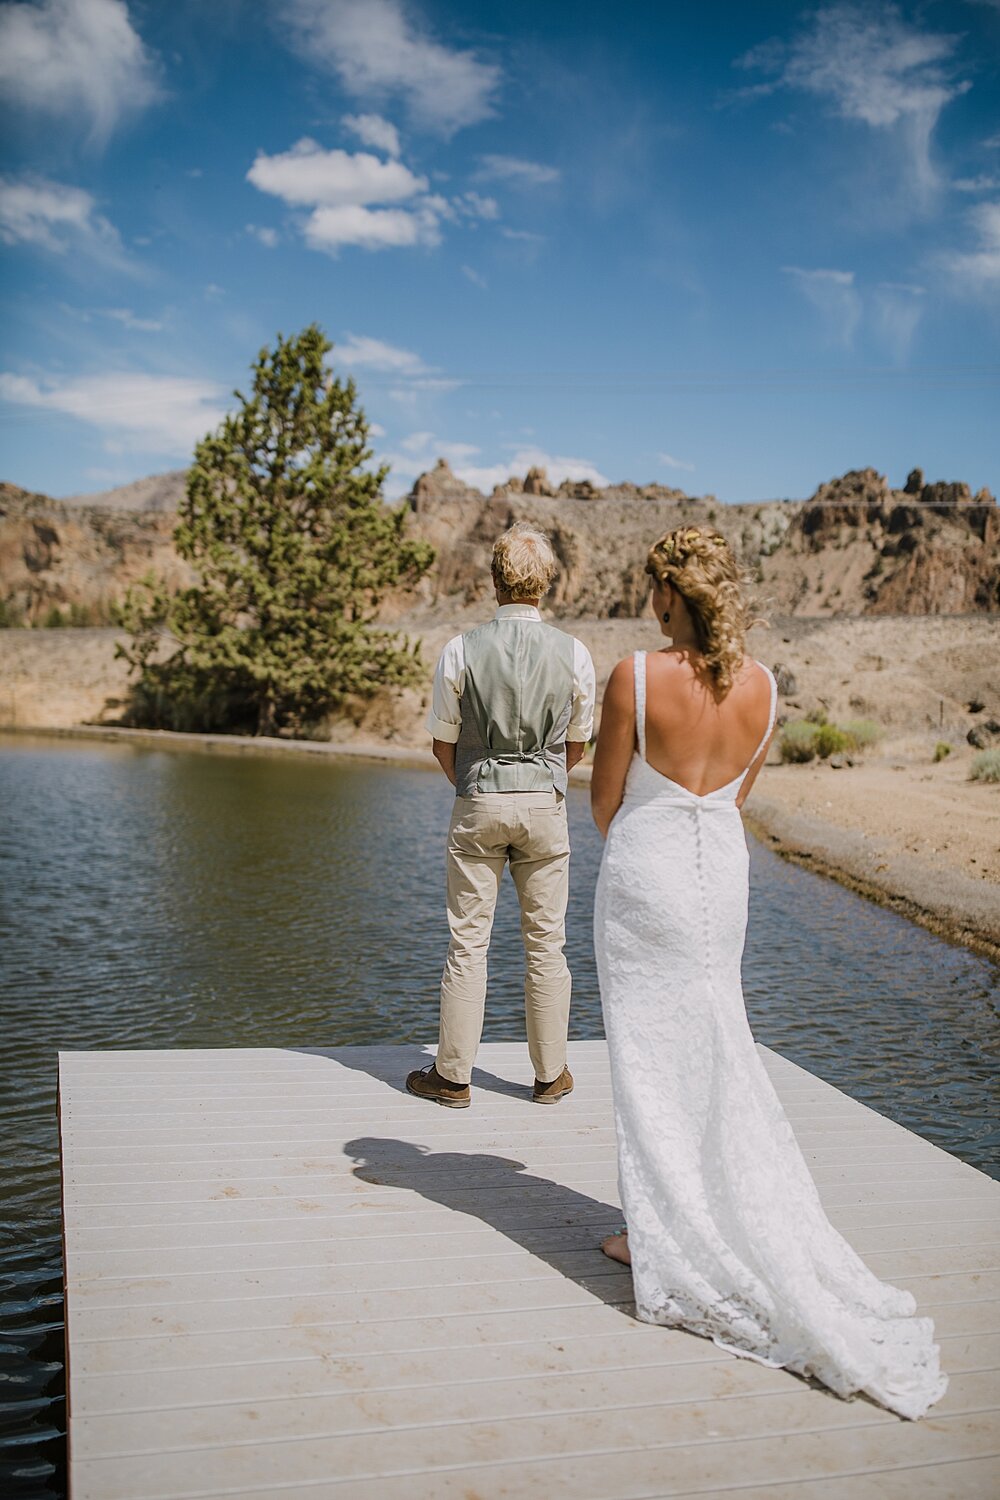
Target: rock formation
(857,546)
(71,558)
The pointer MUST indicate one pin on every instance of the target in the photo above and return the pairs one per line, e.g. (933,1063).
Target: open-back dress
(725,1228)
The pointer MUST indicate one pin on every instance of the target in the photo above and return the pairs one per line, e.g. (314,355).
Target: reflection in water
(159,899)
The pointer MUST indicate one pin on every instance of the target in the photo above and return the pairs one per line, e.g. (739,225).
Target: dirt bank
(920,838)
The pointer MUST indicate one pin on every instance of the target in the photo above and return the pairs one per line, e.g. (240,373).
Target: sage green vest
(515,707)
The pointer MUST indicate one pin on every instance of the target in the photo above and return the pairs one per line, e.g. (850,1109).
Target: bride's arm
(615,745)
(754,770)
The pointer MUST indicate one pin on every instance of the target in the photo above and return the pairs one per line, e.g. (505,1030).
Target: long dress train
(726,1231)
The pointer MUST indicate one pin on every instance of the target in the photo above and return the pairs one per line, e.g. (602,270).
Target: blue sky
(733,247)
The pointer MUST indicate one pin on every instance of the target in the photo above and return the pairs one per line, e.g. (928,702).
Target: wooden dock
(285,1277)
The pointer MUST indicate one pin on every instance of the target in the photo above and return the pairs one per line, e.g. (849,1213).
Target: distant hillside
(158,492)
(75,560)
(855,547)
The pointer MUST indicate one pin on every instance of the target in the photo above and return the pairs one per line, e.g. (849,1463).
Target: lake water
(164,899)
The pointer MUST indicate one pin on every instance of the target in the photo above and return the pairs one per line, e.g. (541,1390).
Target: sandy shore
(919,838)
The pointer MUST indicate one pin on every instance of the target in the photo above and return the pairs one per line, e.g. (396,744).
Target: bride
(726,1235)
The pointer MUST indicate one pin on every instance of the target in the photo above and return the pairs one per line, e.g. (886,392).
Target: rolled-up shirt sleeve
(581,719)
(444,718)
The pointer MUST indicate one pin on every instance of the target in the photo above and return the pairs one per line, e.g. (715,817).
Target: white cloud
(898,308)
(527,236)
(421,449)
(977,271)
(981,184)
(375,429)
(373,130)
(422,385)
(514,169)
(834,296)
(267,236)
(475,206)
(309,175)
(425,445)
(875,68)
(377,51)
(370,228)
(417,442)
(363,353)
(342,187)
(475,277)
(76,58)
(557,466)
(56,217)
(136,412)
(675,463)
(128,319)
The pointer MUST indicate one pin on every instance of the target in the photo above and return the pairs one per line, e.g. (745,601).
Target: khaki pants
(528,830)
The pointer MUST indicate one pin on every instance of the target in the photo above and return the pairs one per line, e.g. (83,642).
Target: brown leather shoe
(551,1093)
(427,1083)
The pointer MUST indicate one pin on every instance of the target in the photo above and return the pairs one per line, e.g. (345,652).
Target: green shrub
(798,741)
(862,733)
(986,766)
(941,750)
(816,716)
(830,740)
(55,619)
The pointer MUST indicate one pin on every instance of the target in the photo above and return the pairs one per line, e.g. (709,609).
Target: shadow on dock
(554,1223)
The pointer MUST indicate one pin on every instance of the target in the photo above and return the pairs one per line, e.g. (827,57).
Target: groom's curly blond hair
(699,563)
(524,563)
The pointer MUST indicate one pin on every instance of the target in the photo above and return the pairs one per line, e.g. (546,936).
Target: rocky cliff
(601,537)
(73,561)
(860,547)
(856,547)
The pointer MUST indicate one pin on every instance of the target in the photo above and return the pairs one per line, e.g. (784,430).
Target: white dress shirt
(444,719)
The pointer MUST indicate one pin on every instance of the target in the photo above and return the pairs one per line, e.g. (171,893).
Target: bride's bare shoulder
(620,683)
(670,664)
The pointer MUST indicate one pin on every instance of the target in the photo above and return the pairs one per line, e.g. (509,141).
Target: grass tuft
(986,766)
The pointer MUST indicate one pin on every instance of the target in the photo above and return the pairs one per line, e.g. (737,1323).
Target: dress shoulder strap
(770,717)
(639,669)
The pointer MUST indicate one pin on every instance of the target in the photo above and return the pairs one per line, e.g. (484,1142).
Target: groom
(511,714)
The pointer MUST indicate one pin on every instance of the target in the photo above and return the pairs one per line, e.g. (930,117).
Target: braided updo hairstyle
(699,563)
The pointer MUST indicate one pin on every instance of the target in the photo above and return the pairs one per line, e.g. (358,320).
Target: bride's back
(694,737)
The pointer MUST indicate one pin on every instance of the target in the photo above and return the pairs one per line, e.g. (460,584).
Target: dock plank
(274,1256)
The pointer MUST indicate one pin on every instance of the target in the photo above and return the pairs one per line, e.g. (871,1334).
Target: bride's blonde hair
(699,563)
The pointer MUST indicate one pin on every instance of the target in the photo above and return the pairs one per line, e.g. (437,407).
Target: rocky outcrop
(71,562)
(857,546)
(536,482)
(601,543)
(439,484)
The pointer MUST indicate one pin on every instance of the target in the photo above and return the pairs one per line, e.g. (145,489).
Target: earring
(666,616)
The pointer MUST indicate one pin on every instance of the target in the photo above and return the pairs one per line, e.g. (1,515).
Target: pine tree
(293,550)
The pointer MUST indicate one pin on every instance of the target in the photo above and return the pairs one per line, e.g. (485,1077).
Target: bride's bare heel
(615,1247)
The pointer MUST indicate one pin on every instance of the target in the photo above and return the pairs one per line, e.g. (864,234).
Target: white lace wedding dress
(726,1231)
